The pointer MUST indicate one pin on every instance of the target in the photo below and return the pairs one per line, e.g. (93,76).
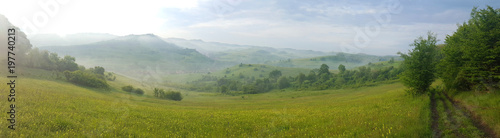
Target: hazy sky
(381,27)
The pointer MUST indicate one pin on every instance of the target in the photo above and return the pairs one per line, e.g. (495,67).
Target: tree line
(171,95)
(468,60)
(74,73)
(316,79)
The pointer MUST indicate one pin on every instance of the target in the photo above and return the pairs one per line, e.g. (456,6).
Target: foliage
(283,82)
(471,55)
(128,88)
(317,79)
(341,68)
(324,69)
(275,74)
(138,91)
(171,95)
(419,64)
(85,78)
(49,61)
(92,77)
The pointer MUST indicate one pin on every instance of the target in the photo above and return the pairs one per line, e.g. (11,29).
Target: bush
(171,95)
(128,88)
(138,91)
(86,79)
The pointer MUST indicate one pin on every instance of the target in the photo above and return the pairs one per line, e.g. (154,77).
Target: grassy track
(51,108)
(481,108)
(452,118)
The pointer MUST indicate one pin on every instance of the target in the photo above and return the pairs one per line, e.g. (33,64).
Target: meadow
(49,107)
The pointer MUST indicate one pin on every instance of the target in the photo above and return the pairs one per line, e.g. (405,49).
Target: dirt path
(435,117)
(450,118)
(476,120)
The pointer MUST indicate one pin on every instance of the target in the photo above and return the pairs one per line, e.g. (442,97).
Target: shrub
(171,95)
(86,79)
(138,91)
(128,88)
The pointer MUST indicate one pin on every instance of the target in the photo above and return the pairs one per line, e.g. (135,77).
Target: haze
(361,26)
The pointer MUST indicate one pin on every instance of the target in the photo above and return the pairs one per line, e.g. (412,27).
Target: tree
(275,74)
(156,92)
(419,64)
(138,91)
(341,68)
(311,76)
(223,89)
(283,82)
(472,54)
(67,63)
(99,70)
(128,88)
(301,78)
(85,78)
(324,69)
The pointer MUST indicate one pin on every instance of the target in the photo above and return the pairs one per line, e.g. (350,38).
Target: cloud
(313,24)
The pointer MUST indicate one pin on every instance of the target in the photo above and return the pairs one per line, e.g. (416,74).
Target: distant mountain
(244,53)
(40,40)
(138,56)
(203,47)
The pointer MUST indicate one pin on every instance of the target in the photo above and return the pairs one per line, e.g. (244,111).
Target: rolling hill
(138,56)
(333,61)
(244,53)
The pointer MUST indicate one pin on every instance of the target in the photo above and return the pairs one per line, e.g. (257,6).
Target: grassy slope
(348,60)
(383,64)
(58,108)
(245,69)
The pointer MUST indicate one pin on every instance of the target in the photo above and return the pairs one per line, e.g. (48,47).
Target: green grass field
(52,108)
(258,71)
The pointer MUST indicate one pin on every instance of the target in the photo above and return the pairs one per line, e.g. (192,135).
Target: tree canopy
(419,64)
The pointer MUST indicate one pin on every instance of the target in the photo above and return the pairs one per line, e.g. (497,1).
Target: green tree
(138,91)
(67,63)
(283,82)
(472,54)
(419,64)
(156,92)
(301,78)
(324,69)
(99,70)
(275,74)
(311,76)
(341,68)
(223,89)
(128,88)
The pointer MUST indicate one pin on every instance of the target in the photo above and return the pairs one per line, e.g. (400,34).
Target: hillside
(138,56)
(256,71)
(40,40)
(57,108)
(244,53)
(348,60)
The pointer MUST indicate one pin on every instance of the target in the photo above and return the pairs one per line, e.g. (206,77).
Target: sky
(352,26)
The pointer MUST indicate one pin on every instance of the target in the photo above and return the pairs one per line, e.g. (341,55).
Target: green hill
(348,60)
(49,108)
(257,71)
(138,55)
